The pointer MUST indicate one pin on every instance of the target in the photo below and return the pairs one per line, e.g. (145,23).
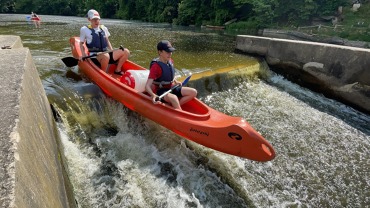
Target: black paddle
(72,61)
(172,88)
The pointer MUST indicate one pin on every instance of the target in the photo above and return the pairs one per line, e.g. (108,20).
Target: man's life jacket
(99,41)
(168,73)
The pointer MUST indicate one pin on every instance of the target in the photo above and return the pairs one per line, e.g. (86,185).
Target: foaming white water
(81,167)
(142,165)
(322,160)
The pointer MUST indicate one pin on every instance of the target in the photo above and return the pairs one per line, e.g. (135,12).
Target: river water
(116,158)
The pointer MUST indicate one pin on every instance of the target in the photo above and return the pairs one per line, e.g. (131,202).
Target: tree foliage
(7,6)
(260,13)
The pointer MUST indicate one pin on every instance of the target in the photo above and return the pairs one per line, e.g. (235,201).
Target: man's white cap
(93,14)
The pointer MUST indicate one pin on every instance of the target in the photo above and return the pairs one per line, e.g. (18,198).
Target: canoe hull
(196,122)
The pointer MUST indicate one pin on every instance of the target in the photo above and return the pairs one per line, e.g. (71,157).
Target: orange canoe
(196,122)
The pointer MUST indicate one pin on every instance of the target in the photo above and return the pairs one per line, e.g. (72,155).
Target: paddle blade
(70,61)
(186,80)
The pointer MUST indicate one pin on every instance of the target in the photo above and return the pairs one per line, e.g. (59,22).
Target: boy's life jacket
(99,42)
(168,73)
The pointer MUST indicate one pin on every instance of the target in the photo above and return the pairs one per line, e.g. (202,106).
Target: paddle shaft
(72,61)
(104,52)
(172,88)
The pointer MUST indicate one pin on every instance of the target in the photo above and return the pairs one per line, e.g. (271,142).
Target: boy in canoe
(162,77)
(96,37)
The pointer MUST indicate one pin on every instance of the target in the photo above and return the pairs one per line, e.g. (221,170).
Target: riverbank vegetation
(245,16)
(355,25)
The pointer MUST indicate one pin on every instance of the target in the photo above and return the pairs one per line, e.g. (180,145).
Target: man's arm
(82,50)
(82,41)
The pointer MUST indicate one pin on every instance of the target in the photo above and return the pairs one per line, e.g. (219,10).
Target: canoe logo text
(235,136)
(199,131)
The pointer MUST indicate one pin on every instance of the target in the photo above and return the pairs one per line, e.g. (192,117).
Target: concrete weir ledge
(339,72)
(31,172)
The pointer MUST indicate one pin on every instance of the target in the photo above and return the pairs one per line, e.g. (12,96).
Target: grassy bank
(353,26)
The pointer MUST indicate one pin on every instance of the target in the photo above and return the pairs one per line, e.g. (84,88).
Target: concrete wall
(297,35)
(339,72)
(31,171)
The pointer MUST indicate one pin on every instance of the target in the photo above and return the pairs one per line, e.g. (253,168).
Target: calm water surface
(116,158)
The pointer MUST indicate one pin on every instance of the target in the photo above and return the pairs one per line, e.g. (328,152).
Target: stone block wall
(31,171)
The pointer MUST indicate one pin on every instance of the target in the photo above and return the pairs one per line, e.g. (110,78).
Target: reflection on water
(116,158)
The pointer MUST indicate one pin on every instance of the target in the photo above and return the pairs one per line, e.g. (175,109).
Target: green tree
(330,7)
(264,12)
(254,13)
(187,11)
(295,12)
(223,11)
(24,6)
(7,6)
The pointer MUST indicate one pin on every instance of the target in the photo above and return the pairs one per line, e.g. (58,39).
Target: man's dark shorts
(111,60)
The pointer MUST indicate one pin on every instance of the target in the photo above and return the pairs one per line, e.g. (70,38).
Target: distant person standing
(36,19)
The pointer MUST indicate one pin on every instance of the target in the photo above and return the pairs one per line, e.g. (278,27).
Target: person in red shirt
(36,19)
(162,77)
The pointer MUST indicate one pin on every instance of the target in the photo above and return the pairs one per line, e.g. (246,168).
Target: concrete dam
(339,72)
